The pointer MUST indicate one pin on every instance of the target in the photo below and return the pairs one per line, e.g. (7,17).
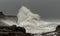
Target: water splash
(32,22)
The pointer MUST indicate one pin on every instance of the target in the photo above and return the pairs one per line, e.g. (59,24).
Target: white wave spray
(32,22)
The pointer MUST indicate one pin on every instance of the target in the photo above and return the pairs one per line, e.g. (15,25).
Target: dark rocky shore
(13,31)
(20,31)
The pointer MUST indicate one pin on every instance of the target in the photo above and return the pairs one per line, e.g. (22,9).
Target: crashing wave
(32,22)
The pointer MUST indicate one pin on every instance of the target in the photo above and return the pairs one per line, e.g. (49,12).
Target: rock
(13,31)
(58,28)
(1,14)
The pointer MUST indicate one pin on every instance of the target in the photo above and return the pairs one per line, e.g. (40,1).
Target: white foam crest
(33,23)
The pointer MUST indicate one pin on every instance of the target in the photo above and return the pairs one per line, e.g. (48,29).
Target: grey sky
(46,8)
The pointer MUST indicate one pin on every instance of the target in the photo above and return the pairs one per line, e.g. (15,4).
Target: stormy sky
(45,8)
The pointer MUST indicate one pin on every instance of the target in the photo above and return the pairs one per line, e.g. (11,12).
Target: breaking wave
(32,22)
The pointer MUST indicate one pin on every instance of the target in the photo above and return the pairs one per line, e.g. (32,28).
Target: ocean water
(32,22)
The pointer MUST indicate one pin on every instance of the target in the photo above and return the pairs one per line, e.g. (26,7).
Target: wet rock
(13,31)
(58,28)
(1,14)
